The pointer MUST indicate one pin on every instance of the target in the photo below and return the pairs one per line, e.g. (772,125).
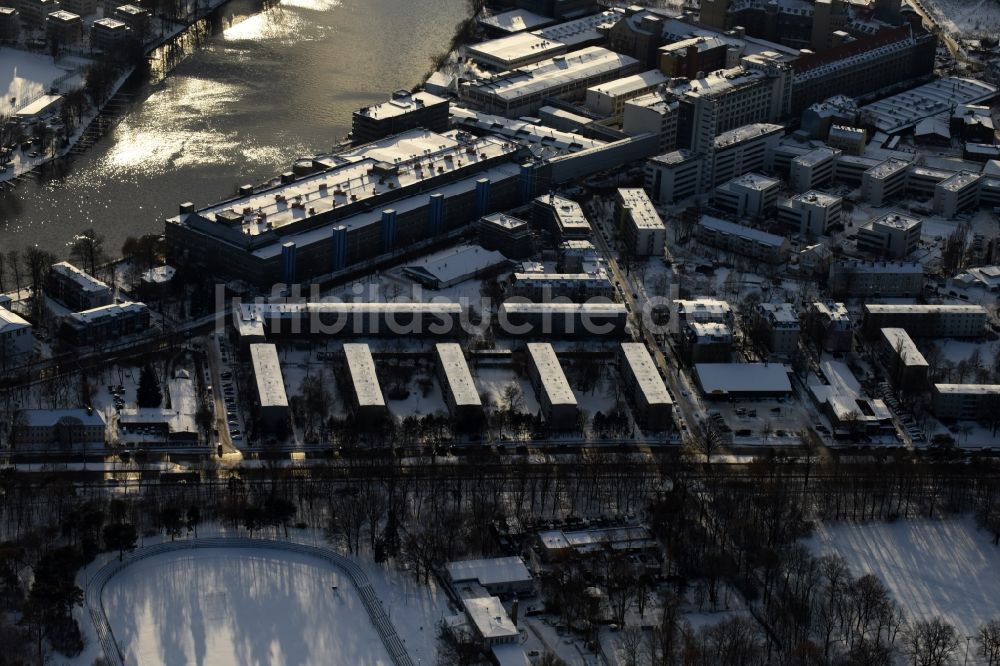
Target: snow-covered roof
(640,209)
(748,378)
(10,321)
(456,264)
(903,346)
(515,20)
(905,109)
(581,30)
(486,572)
(968,389)
(105,312)
(515,47)
(456,371)
(83,281)
(742,231)
(489,617)
(555,72)
(402,102)
(923,308)
(267,374)
(746,133)
(362,368)
(646,376)
(47,418)
(551,374)
(630,84)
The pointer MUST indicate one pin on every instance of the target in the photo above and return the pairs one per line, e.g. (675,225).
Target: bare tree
(930,643)
(989,642)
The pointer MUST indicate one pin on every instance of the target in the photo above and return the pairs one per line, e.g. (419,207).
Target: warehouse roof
(743,378)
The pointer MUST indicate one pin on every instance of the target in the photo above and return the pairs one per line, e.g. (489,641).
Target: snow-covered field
(231,606)
(943,568)
(24,76)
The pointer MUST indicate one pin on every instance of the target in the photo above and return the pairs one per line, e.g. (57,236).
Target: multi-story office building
(862,66)
(297,319)
(108,323)
(923,320)
(63,28)
(891,236)
(517,50)
(651,402)
(76,289)
(32,13)
(674,176)
(966,402)
(107,34)
(812,213)
(751,195)
(521,92)
(460,393)
(80,7)
(404,112)
(779,325)
(739,151)
(10,24)
(505,234)
(863,279)
(687,57)
(556,398)
(957,194)
(608,99)
(136,18)
(563,217)
(743,240)
(886,181)
(644,232)
(812,170)
(654,113)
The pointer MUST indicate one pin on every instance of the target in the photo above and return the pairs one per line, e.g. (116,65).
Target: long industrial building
(651,402)
(559,406)
(459,389)
(366,397)
(375,200)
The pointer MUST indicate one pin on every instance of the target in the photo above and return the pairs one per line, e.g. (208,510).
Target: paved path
(93,598)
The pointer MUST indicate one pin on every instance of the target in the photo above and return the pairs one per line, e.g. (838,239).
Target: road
(688,414)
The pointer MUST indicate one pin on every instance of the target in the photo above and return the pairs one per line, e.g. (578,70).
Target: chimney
(513,612)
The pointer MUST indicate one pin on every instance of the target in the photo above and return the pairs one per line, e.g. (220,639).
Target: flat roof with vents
(267,375)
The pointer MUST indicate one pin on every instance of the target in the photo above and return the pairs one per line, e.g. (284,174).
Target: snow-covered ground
(237,606)
(25,76)
(229,606)
(943,568)
(965,18)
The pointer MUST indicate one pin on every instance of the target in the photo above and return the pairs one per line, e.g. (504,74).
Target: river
(261,88)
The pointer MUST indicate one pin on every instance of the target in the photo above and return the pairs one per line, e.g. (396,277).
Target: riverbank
(24,163)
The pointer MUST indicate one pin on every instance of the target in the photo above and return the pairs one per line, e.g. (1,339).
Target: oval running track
(94,600)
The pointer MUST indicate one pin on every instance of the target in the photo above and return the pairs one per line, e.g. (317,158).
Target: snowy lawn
(25,75)
(932,568)
(233,606)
